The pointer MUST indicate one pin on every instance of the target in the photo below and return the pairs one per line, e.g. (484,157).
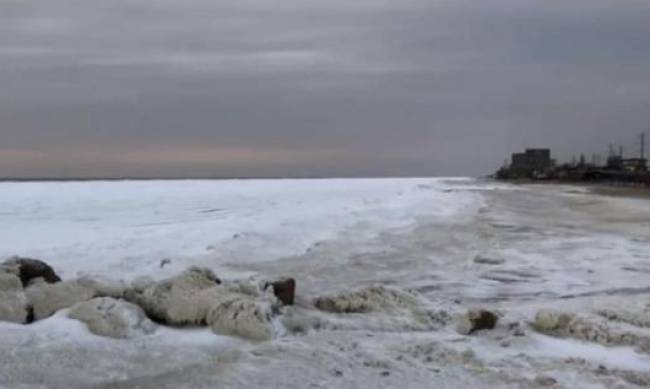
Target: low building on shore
(537,164)
(635,165)
(533,163)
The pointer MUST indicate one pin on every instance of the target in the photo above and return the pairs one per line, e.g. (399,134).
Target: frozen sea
(128,227)
(458,243)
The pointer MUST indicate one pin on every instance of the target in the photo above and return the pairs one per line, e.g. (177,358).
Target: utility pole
(642,136)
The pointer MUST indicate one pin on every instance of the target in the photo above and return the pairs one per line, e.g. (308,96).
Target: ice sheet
(129,227)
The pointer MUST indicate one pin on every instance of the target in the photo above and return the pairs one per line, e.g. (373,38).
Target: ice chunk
(112,318)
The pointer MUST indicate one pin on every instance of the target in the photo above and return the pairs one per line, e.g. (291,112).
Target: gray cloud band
(253,88)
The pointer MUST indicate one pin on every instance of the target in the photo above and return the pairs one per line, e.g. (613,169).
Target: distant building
(635,165)
(614,162)
(533,163)
(536,164)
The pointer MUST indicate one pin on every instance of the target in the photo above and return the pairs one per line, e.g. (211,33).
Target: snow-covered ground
(456,243)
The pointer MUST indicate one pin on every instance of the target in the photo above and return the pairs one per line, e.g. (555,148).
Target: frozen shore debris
(238,315)
(46,299)
(178,300)
(365,300)
(375,307)
(476,320)
(14,307)
(195,297)
(32,290)
(9,282)
(571,325)
(106,316)
(252,309)
(104,287)
(637,319)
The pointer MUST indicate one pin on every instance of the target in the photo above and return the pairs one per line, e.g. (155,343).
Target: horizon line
(181,178)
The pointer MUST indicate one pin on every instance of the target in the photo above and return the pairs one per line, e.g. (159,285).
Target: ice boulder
(242,316)
(565,324)
(365,300)
(106,316)
(28,269)
(180,300)
(46,298)
(549,321)
(133,292)
(103,287)
(14,307)
(373,308)
(248,287)
(9,281)
(141,283)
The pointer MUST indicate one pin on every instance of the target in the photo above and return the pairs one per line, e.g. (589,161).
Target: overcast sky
(315,87)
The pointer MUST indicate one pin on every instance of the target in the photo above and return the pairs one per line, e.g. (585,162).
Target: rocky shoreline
(257,310)
(30,290)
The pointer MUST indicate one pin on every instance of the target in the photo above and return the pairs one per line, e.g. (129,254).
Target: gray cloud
(366,87)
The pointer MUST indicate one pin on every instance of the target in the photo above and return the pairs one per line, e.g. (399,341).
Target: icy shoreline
(513,250)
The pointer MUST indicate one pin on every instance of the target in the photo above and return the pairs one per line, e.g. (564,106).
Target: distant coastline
(615,189)
(207,178)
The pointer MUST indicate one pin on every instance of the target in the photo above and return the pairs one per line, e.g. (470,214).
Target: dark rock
(488,261)
(284,290)
(545,381)
(476,320)
(29,269)
(30,315)
(164,262)
(516,328)
(337,373)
